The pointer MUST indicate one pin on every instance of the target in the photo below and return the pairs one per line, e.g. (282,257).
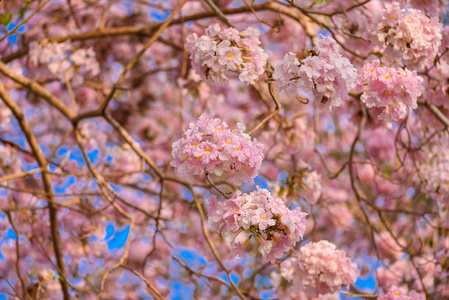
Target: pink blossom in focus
(324,72)
(394,90)
(268,219)
(408,34)
(319,269)
(222,50)
(210,146)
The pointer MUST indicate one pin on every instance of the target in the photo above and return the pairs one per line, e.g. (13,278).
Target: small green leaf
(34,273)
(5,18)
(319,1)
(22,12)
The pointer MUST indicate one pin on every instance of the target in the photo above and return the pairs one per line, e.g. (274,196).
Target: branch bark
(42,161)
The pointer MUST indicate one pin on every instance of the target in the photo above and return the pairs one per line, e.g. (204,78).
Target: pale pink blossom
(210,146)
(407,34)
(323,72)
(312,187)
(60,60)
(126,162)
(86,58)
(394,91)
(387,247)
(434,169)
(259,214)
(396,293)
(319,269)
(220,51)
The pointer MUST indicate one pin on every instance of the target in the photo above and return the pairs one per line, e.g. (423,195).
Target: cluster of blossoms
(431,7)
(60,59)
(268,219)
(210,146)
(396,293)
(323,72)
(223,50)
(395,91)
(408,35)
(387,246)
(435,170)
(125,161)
(312,187)
(404,271)
(319,269)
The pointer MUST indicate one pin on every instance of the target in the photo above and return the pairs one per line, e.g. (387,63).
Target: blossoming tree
(227,149)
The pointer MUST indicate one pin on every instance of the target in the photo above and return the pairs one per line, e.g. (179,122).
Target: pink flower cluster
(319,269)
(51,54)
(125,162)
(324,72)
(85,58)
(268,219)
(396,293)
(431,7)
(210,146)
(220,51)
(395,91)
(435,170)
(387,246)
(312,187)
(408,35)
(59,60)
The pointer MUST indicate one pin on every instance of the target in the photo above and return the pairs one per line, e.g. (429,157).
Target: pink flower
(205,152)
(219,51)
(210,146)
(59,60)
(408,34)
(387,246)
(431,7)
(86,58)
(258,214)
(324,72)
(396,293)
(320,269)
(394,90)
(126,161)
(276,206)
(312,187)
(435,169)
(263,218)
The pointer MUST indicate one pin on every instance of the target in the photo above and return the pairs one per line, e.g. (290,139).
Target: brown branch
(42,161)
(134,145)
(359,295)
(150,287)
(129,66)
(218,13)
(38,89)
(438,114)
(212,247)
(103,185)
(22,283)
(147,30)
(272,114)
